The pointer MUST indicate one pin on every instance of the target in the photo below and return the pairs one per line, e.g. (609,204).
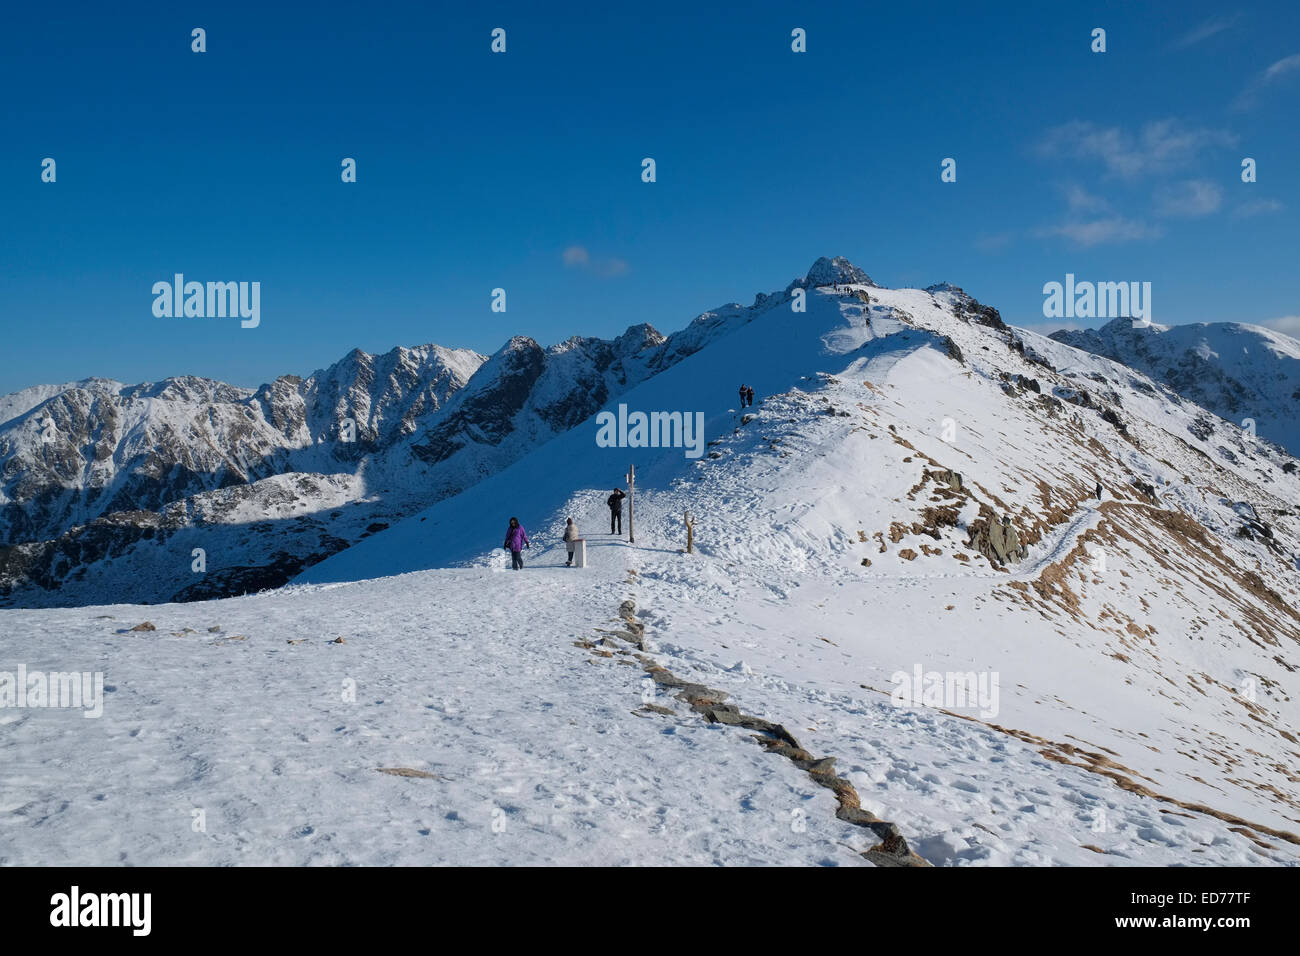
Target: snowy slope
(540,752)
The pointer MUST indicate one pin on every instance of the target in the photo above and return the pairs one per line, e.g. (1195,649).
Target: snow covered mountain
(913,494)
(97,478)
(1236,371)
(108,489)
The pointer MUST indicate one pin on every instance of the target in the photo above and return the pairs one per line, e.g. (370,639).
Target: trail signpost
(631,504)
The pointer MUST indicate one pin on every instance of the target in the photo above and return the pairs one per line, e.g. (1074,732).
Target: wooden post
(631,499)
(690,532)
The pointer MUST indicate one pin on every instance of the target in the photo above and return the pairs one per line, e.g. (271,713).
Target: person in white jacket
(570,536)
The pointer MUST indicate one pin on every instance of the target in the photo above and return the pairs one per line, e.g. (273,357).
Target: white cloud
(1286,324)
(1080,200)
(1099,231)
(1206,30)
(994,242)
(1158,146)
(1256,207)
(1271,74)
(1189,199)
(1288,64)
(577,257)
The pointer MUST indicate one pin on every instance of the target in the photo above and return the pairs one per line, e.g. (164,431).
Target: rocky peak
(836,271)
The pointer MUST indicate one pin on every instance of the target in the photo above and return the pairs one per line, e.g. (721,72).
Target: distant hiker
(1099,491)
(742,396)
(570,539)
(615,502)
(749,396)
(516,541)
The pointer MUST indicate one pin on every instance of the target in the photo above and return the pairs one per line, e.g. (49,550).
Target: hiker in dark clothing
(516,541)
(615,502)
(749,396)
(742,396)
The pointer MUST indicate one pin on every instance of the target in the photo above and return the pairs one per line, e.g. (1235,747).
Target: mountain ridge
(186,459)
(263,484)
(1234,369)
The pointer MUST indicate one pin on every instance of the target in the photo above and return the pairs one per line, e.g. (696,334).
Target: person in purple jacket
(516,541)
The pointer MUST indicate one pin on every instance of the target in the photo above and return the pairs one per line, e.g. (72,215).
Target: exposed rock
(891,851)
(836,271)
(995,538)
(949,477)
(408,772)
(1111,416)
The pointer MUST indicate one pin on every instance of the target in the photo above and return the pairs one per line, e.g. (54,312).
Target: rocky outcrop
(968,308)
(836,271)
(996,538)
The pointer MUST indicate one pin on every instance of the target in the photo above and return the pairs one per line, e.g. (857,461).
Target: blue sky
(479,170)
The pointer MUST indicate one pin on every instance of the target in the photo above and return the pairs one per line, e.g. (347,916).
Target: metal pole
(632,497)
